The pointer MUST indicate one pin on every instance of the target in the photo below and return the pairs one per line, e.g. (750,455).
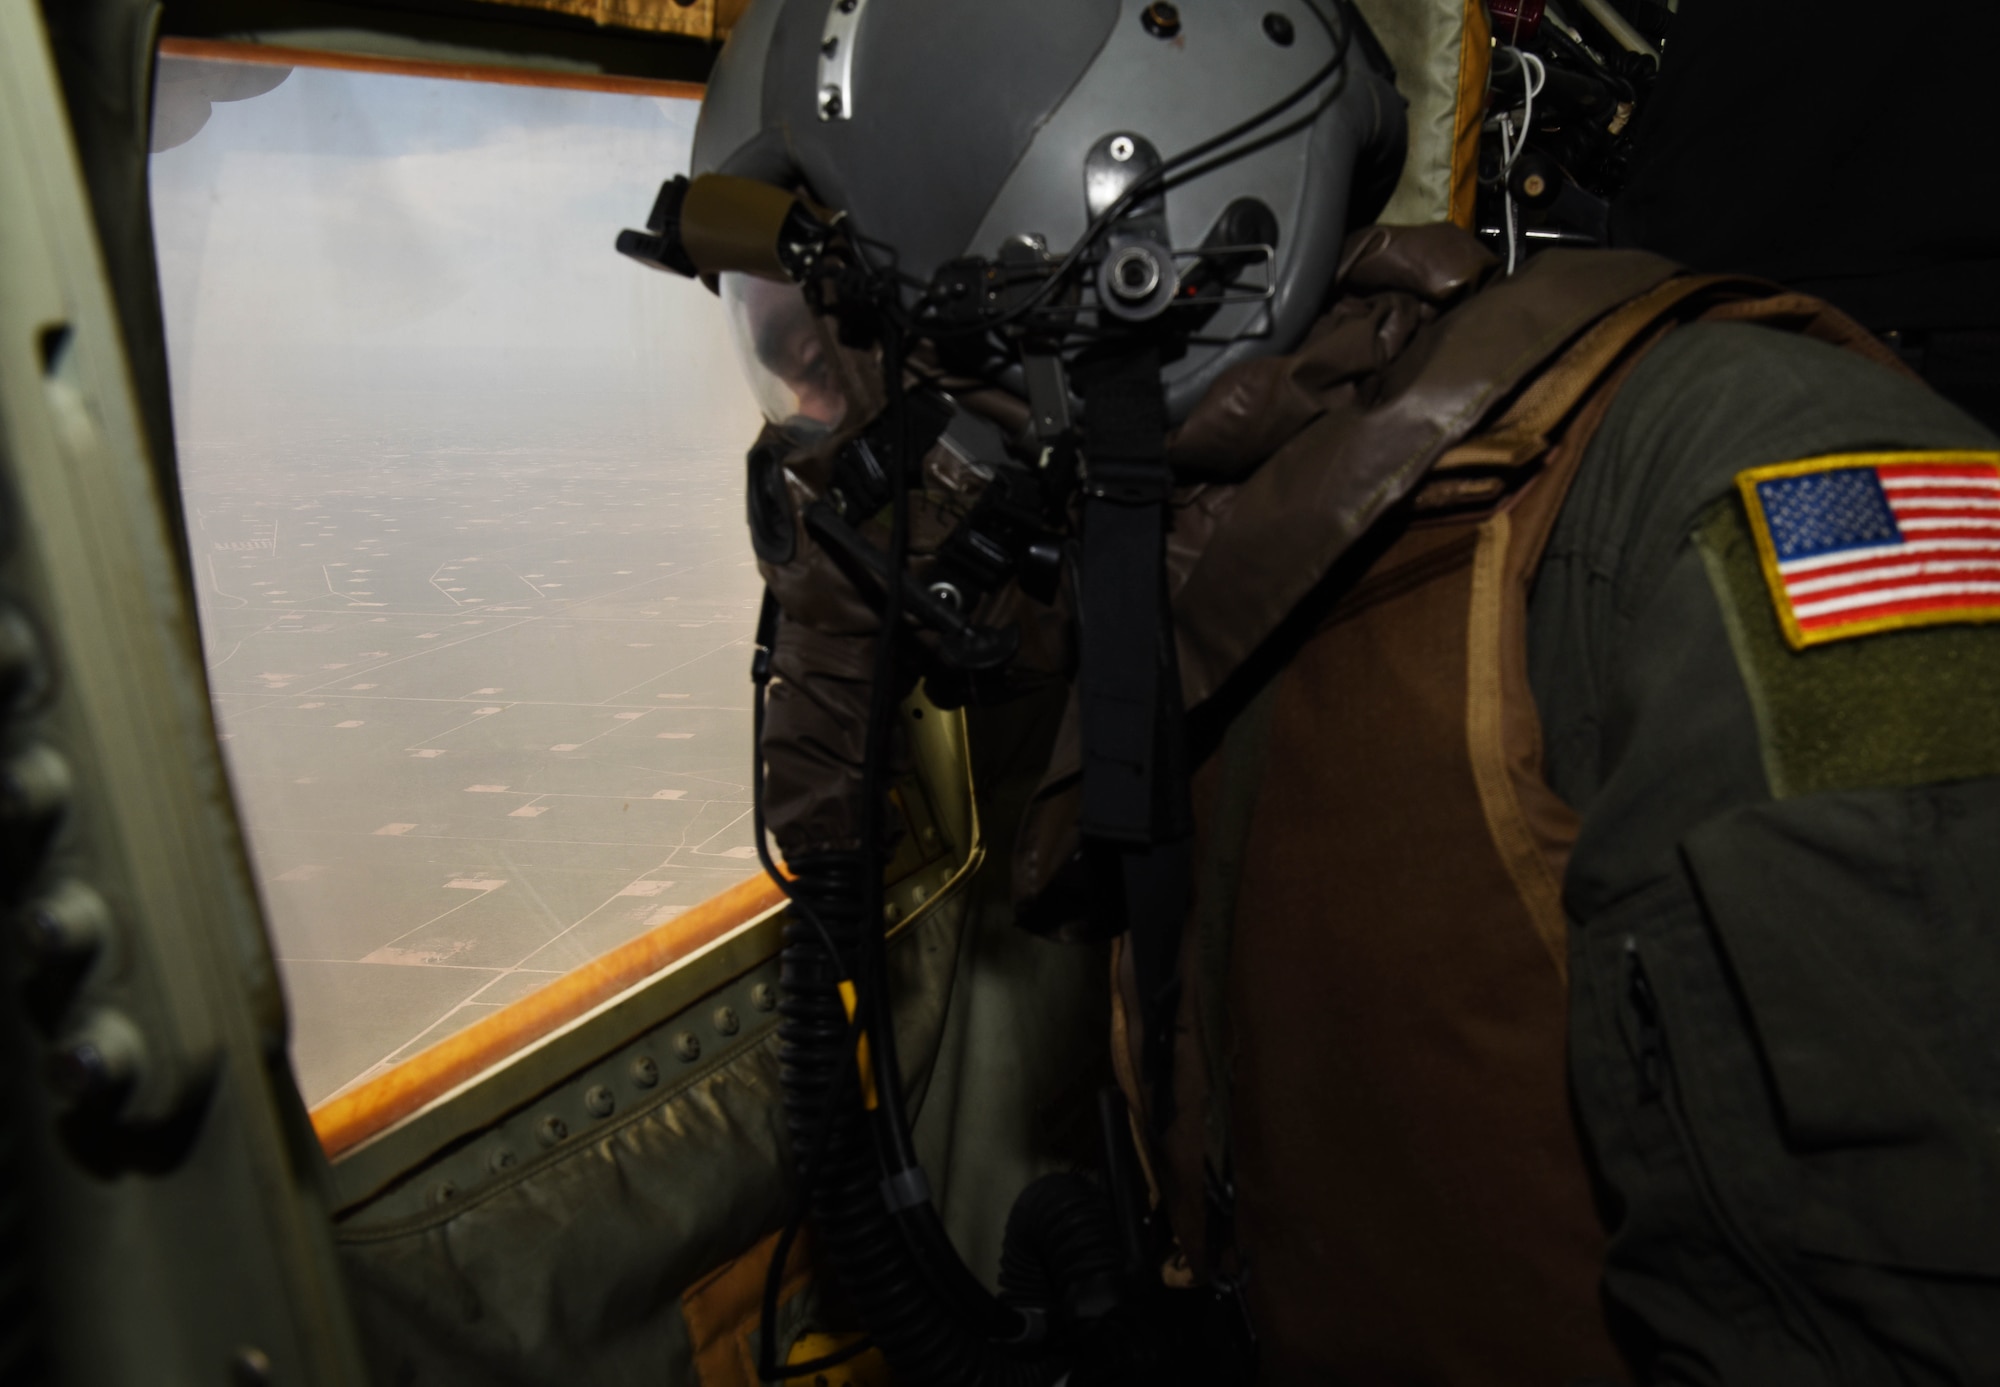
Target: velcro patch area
(1856,543)
(1905,708)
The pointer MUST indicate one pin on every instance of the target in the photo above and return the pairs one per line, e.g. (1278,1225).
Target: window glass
(463,497)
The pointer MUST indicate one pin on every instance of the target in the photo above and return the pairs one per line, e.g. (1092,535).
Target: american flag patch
(1868,542)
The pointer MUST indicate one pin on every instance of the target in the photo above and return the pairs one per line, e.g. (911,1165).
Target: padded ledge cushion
(1442,50)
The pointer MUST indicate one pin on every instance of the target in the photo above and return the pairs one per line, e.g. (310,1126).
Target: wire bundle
(1533,77)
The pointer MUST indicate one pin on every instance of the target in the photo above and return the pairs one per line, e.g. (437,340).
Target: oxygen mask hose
(828,1119)
(876,1226)
(1061,1251)
(1067,1309)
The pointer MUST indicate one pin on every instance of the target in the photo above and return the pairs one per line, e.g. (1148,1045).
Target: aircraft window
(463,499)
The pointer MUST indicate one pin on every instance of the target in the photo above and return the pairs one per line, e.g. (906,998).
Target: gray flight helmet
(944,128)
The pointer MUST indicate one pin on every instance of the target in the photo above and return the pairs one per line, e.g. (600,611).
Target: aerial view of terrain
(474,588)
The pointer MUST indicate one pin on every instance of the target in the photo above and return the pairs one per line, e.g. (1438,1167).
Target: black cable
(1339,38)
(1263,141)
(813,1366)
(760,679)
(919,1223)
(768,1368)
(920,1303)
(1155,179)
(882,702)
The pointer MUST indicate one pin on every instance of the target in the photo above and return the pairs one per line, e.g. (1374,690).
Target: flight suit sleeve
(1784,899)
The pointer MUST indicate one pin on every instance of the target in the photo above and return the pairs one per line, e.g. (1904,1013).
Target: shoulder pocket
(1787,1061)
(1869,991)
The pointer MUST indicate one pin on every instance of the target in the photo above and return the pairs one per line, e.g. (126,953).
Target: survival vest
(1370,1103)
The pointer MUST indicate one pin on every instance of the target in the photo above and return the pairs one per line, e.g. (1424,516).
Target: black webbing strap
(1135,820)
(1121,570)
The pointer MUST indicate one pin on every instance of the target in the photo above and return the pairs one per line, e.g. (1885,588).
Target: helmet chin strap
(1136,820)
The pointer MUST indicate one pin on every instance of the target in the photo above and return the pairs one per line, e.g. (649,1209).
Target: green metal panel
(179,1233)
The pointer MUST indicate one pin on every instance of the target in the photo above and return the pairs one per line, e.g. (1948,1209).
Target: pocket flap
(1848,968)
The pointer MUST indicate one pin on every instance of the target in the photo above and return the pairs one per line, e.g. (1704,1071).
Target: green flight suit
(1784,900)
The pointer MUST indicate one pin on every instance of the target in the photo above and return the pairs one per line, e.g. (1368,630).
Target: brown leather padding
(1412,1204)
(1301,455)
(1411,1200)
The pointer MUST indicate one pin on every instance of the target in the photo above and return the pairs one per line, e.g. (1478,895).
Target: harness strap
(1522,432)
(1121,607)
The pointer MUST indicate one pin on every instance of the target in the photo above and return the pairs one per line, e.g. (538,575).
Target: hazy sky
(361,213)
(403,352)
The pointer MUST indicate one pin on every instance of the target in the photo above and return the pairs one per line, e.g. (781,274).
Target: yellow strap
(1523,431)
(1475,61)
(850,999)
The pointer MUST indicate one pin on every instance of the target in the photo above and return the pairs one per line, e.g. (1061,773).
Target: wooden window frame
(277,55)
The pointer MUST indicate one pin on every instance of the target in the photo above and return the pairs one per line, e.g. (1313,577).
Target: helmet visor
(806,383)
